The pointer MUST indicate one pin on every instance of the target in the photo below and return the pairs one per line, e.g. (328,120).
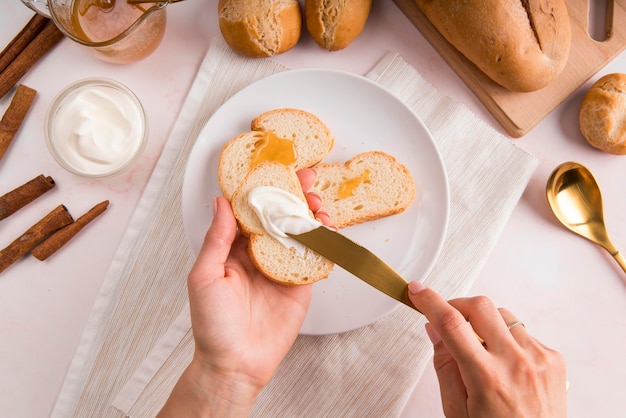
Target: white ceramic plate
(362,117)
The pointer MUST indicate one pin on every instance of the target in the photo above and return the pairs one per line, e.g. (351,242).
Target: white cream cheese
(281,212)
(98,129)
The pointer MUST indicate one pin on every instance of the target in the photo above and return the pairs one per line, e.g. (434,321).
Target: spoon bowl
(575,199)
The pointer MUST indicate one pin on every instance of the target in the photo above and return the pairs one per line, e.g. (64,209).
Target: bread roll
(334,24)
(602,115)
(521,45)
(369,186)
(260,28)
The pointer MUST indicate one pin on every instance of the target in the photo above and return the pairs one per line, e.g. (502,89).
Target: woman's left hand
(243,323)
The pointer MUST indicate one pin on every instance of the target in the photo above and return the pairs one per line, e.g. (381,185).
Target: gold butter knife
(357,260)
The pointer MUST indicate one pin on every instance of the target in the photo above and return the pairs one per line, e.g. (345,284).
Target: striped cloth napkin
(138,339)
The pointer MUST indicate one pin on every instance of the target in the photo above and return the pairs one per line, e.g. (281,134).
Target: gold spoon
(575,199)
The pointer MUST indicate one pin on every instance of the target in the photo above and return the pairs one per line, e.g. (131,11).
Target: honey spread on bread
(369,186)
(271,147)
(349,186)
(278,135)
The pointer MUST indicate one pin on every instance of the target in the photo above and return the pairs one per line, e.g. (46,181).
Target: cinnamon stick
(57,240)
(21,40)
(14,116)
(19,197)
(48,37)
(50,223)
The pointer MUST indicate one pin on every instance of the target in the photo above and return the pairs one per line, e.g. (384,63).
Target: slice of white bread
(285,265)
(369,186)
(300,139)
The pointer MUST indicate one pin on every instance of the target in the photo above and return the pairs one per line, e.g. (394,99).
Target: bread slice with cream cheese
(294,265)
(369,186)
(294,137)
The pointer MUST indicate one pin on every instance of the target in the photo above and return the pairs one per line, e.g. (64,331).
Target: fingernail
(214,206)
(433,335)
(323,217)
(317,197)
(314,201)
(415,287)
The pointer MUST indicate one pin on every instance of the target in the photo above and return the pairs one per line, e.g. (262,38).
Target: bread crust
(521,45)
(260,28)
(334,24)
(602,114)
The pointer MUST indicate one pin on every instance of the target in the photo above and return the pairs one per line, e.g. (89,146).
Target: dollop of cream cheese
(98,129)
(281,212)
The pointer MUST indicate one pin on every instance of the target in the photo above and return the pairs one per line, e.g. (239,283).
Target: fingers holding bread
(307,177)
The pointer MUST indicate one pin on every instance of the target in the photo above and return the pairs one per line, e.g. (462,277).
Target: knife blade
(357,260)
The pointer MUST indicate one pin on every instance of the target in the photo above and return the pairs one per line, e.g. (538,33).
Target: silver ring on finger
(515,323)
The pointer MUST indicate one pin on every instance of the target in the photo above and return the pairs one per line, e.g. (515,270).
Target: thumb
(451,386)
(217,241)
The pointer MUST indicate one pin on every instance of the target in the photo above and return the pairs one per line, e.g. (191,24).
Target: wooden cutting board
(518,113)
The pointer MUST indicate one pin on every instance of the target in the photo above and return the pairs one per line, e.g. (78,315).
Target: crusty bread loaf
(369,186)
(277,262)
(300,140)
(602,115)
(521,45)
(334,24)
(260,28)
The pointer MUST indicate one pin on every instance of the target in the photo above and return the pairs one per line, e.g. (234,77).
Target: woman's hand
(243,324)
(511,375)
(307,177)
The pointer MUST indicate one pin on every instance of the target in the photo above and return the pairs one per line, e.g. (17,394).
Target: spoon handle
(620,260)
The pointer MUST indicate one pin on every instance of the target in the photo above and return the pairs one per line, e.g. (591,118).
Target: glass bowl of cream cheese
(96,127)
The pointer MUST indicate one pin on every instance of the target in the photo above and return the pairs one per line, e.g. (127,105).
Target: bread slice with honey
(369,186)
(294,137)
(282,264)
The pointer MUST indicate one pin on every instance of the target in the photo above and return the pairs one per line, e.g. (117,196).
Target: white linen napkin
(138,339)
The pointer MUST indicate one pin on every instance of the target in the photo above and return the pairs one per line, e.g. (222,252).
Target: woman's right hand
(510,375)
